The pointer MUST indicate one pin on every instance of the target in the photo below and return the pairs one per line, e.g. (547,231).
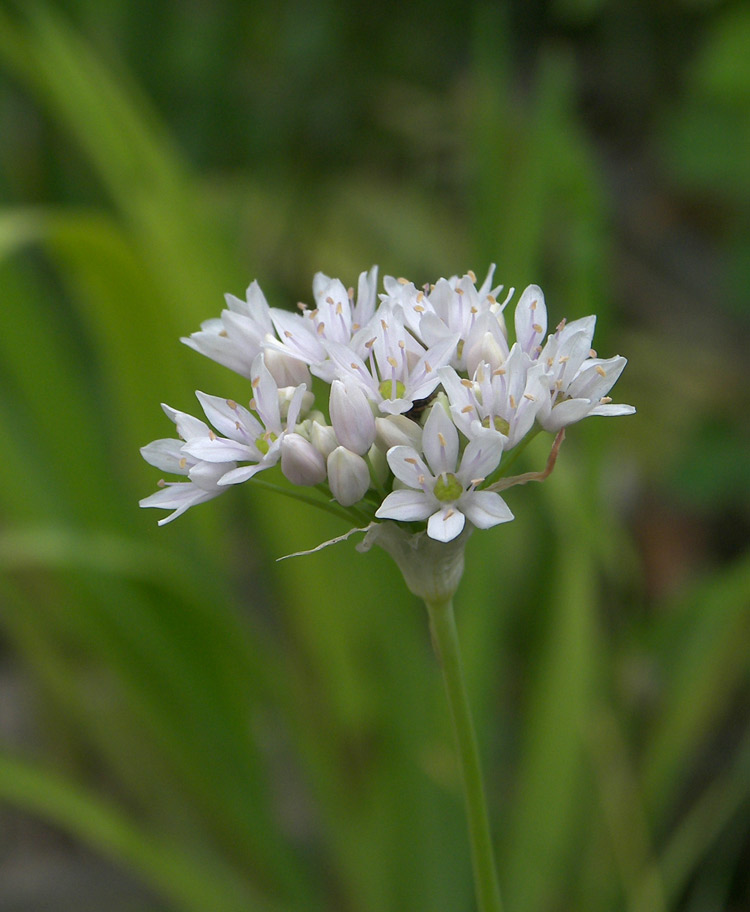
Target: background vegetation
(196,728)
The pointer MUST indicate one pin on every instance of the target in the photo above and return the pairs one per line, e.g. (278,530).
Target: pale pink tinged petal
(187,426)
(565,413)
(485,509)
(178,497)
(531,318)
(257,307)
(597,378)
(219,449)
(481,456)
(446,524)
(295,406)
(613,409)
(440,441)
(243,473)
(406,506)
(298,336)
(225,415)
(167,455)
(575,349)
(207,474)
(395,406)
(407,465)
(266,396)
(221,350)
(349,364)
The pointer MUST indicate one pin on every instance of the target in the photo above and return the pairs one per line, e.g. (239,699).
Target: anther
(232,404)
(537,328)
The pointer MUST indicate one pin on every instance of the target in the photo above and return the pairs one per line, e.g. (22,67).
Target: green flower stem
(445,642)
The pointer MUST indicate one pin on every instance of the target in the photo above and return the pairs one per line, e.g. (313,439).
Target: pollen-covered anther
(350,293)
(475,482)
(161,483)
(401,344)
(301,306)
(600,370)
(512,400)
(418,307)
(392,361)
(533,305)
(320,329)
(563,359)
(592,353)
(183,463)
(255,383)
(491,299)
(529,397)
(383,324)
(232,404)
(499,372)
(223,333)
(211,435)
(427,367)
(339,309)
(561,325)
(420,297)
(411,460)
(467,383)
(605,400)
(402,281)
(369,343)
(537,328)
(459,291)
(329,300)
(447,515)
(253,405)
(287,334)
(466,409)
(472,275)
(441,439)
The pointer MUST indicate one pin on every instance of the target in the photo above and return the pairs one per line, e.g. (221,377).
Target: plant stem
(445,642)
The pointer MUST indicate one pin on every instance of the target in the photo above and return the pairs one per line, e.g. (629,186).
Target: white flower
(438,491)
(505,400)
(399,371)
(167,455)
(248,439)
(241,334)
(335,318)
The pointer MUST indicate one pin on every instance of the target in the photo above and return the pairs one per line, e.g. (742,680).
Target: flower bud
(397,430)
(301,463)
(348,476)
(323,438)
(351,416)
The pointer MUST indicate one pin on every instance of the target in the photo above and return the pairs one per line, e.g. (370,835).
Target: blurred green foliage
(246,735)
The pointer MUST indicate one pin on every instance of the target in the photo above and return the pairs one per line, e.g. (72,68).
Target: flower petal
(406,505)
(446,524)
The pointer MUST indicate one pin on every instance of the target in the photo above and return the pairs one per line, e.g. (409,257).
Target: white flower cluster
(424,390)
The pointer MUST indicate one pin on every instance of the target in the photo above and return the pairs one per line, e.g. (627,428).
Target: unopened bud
(348,476)
(351,416)
(301,463)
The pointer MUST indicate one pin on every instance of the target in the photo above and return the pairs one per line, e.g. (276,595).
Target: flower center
(448,488)
(498,423)
(390,390)
(264,442)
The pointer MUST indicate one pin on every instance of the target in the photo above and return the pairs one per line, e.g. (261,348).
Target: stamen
(320,329)
(183,463)
(224,334)
(329,300)
(512,400)
(211,435)
(256,382)
(441,439)
(537,328)
(411,460)
(402,281)
(600,370)
(467,383)
(529,397)
(592,353)
(467,408)
(472,275)
(232,404)
(427,367)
